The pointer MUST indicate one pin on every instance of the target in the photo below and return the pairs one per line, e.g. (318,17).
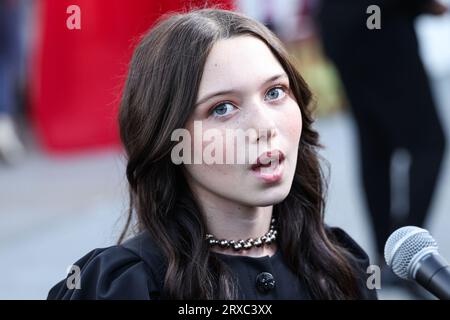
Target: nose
(263,121)
(266,134)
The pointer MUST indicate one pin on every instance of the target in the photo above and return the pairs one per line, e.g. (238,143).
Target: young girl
(221,229)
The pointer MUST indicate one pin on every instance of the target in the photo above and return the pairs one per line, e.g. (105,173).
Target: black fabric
(136,269)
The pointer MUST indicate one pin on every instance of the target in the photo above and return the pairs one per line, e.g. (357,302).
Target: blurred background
(382,99)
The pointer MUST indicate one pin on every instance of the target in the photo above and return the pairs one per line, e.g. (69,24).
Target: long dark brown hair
(159,95)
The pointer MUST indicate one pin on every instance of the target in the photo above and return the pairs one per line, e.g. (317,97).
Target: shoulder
(358,258)
(132,270)
(346,241)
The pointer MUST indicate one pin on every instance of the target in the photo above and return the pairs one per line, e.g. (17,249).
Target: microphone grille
(403,245)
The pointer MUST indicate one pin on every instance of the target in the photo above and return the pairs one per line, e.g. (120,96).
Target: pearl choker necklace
(239,245)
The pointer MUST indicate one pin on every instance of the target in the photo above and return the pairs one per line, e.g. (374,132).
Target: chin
(268,197)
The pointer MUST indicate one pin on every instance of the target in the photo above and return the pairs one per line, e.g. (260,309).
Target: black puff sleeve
(110,273)
(360,261)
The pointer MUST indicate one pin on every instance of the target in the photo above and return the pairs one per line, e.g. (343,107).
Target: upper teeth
(270,163)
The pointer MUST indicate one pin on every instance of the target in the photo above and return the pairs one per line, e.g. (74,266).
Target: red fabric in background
(77,75)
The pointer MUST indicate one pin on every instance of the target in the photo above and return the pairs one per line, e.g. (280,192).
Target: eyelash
(279,86)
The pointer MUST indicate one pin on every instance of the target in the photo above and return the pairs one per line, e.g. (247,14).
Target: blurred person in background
(12,67)
(391,101)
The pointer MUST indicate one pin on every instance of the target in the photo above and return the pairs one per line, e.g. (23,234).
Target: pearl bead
(266,239)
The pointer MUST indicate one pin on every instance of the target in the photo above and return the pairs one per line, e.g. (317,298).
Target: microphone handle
(434,275)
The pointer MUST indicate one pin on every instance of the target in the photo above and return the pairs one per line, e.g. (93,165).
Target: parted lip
(266,158)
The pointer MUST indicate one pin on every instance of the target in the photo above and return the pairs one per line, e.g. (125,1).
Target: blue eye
(275,93)
(222,109)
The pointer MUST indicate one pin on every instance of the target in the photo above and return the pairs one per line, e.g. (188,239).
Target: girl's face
(244,88)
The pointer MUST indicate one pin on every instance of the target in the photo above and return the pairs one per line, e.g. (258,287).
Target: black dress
(135,270)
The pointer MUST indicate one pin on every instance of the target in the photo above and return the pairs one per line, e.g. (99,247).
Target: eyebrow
(224,92)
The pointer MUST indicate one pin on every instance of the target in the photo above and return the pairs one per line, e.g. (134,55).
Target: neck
(239,222)
(232,221)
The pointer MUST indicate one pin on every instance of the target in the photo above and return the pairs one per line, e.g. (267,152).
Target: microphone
(412,254)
